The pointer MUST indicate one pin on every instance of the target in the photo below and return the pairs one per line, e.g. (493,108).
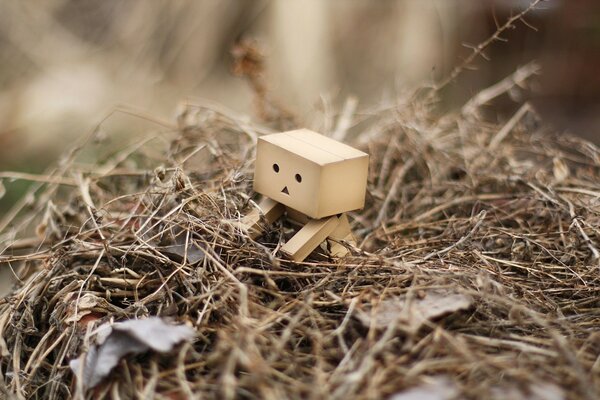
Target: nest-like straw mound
(506,215)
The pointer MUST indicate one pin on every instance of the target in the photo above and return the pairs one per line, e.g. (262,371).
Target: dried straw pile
(504,217)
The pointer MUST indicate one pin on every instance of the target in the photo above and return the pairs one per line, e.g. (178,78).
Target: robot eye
(275,167)
(298,178)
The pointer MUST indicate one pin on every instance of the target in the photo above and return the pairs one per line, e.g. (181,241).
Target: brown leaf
(175,243)
(117,340)
(412,313)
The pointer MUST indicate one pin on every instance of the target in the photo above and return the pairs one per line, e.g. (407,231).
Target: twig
(21,244)
(478,50)
(586,239)
(345,120)
(518,78)
(37,178)
(460,200)
(502,133)
(480,218)
(393,192)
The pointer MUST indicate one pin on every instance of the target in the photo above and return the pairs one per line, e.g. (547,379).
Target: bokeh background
(64,64)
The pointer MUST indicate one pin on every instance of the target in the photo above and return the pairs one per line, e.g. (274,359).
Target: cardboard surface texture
(311,173)
(269,209)
(314,180)
(309,237)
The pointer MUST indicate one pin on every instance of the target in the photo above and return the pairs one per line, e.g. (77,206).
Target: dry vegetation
(502,218)
(505,215)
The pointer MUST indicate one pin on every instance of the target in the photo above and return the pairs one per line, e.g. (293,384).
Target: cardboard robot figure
(312,180)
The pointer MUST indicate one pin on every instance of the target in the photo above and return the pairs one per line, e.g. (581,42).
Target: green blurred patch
(14,192)
(15,189)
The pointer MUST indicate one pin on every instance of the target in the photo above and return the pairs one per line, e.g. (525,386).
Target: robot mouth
(285,190)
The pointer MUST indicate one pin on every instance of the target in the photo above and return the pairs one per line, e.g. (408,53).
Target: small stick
(37,178)
(345,119)
(502,133)
(478,50)
(457,201)
(515,79)
(386,163)
(393,190)
(21,244)
(586,239)
(480,219)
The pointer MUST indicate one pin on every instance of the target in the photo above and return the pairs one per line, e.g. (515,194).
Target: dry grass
(510,220)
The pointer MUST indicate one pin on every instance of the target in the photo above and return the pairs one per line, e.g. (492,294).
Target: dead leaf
(193,253)
(175,243)
(2,189)
(412,313)
(440,388)
(129,337)
(84,309)
(84,306)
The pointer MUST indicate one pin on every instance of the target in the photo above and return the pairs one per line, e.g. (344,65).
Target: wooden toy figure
(312,180)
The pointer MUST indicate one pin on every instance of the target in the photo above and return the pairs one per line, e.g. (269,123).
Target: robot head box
(311,173)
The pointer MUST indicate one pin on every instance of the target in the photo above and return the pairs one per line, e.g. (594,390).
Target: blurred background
(64,64)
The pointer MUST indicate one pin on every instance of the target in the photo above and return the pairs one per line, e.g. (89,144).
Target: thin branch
(478,50)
